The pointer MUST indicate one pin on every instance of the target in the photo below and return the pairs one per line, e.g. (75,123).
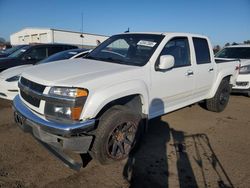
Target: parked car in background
(241,52)
(97,104)
(9,78)
(32,54)
(67,54)
(7,52)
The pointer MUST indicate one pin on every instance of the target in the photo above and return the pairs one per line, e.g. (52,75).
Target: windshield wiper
(109,59)
(113,60)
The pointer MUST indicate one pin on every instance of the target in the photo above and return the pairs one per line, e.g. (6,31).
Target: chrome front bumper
(49,126)
(54,136)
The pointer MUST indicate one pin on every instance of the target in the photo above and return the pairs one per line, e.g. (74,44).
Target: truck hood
(14,71)
(74,72)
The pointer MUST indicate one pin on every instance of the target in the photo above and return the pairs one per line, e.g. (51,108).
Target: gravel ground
(190,147)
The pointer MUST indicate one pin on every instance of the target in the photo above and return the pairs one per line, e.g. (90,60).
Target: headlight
(245,69)
(68,103)
(13,78)
(68,92)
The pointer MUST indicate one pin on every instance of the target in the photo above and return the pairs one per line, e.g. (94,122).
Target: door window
(202,52)
(179,49)
(37,53)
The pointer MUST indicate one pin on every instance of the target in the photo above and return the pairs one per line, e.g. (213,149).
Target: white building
(43,35)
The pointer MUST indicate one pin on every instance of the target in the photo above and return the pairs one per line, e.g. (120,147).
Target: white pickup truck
(100,104)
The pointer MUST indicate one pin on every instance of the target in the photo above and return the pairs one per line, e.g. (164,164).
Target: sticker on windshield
(146,43)
(22,50)
(73,53)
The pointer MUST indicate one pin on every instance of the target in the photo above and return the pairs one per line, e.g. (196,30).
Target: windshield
(19,52)
(234,52)
(128,49)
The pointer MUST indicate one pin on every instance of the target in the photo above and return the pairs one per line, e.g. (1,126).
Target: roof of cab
(168,33)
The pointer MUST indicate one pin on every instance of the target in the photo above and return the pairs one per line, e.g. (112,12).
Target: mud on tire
(219,102)
(118,132)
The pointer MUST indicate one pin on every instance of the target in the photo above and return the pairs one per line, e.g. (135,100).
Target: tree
(247,42)
(216,48)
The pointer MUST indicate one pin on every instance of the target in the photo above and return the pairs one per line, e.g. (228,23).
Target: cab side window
(201,51)
(179,48)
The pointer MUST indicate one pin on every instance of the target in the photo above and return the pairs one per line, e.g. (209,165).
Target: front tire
(219,102)
(117,134)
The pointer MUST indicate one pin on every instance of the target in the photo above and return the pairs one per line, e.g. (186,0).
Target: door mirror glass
(166,62)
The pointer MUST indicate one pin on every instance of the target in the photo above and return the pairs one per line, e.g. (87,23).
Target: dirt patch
(187,148)
(5,103)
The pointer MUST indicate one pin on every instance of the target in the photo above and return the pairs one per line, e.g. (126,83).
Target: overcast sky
(221,20)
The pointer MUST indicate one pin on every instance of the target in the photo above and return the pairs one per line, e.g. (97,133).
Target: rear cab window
(202,52)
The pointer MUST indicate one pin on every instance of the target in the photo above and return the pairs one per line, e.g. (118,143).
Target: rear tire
(219,102)
(117,135)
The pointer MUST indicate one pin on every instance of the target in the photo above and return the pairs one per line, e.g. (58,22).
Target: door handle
(211,70)
(189,73)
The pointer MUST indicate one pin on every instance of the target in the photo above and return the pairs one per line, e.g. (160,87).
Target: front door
(173,88)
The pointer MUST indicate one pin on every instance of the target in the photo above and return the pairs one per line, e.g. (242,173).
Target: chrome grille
(31,86)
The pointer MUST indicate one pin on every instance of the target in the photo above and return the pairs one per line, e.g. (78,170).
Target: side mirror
(166,62)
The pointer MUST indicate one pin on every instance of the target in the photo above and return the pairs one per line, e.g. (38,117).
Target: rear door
(204,67)
(173,88)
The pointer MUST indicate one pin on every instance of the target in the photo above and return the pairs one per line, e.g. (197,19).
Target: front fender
(101,97)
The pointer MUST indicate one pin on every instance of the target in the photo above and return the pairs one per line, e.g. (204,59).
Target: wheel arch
(219,79)
(131,94)
(134,102)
